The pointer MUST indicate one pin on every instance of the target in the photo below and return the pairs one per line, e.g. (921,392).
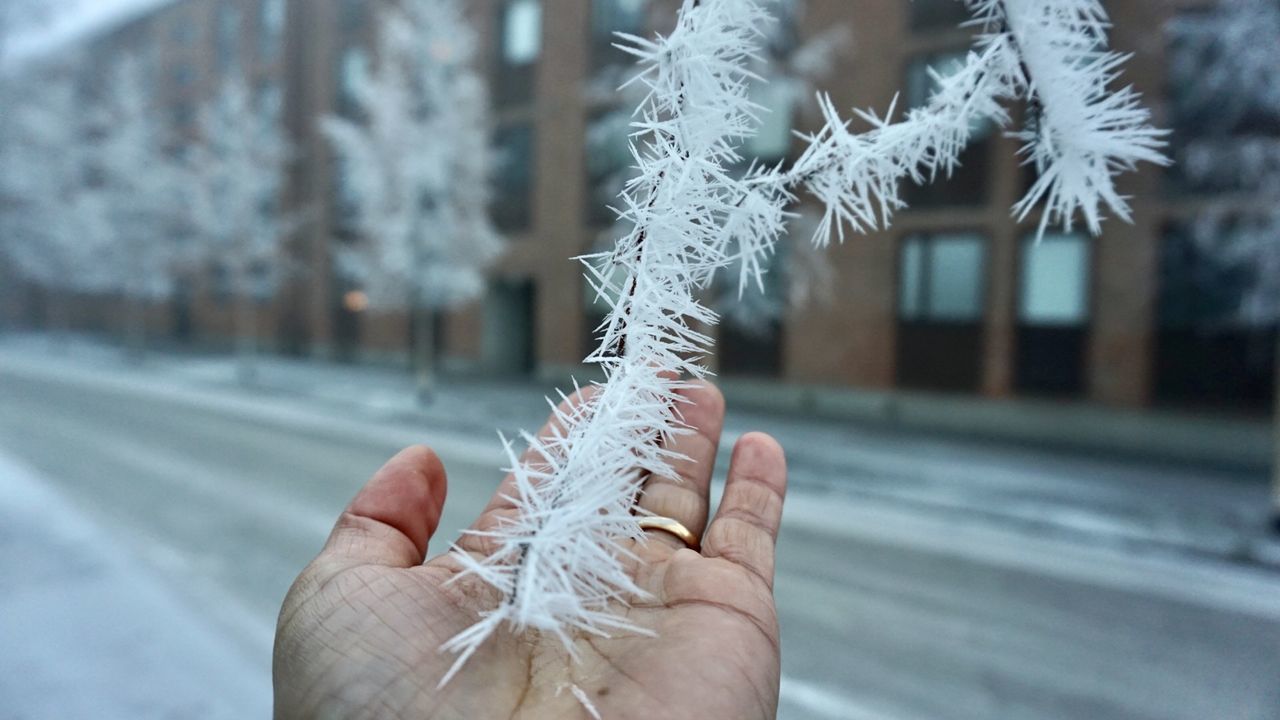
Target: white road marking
(820,703)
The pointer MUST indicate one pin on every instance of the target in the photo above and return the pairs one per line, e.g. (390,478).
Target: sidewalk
(1142,497)
(86,631)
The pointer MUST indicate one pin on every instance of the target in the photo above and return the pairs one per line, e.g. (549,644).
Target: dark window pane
(513,178)
(614,16)
(271,29)
(520,43)
(941,296)
(1207,354)
(937,14)
(353,67)
(967,184)
(228,36)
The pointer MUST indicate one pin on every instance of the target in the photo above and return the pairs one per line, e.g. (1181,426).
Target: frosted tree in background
(53,223)
(141,188)
(19,15)
(417,165)
(239,169)
(560,564)
(1229,68)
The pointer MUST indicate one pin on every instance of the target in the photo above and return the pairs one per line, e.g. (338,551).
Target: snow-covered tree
(238,176)
(417,164)
(560,564)
(141,188)
(19,15)
(52,222)
(1229,69)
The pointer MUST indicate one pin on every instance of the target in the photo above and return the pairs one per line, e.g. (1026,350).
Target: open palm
(360,631)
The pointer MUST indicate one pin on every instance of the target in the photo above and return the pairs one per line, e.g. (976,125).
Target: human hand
(360,631)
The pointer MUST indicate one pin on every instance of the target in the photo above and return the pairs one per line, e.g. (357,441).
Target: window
(182,32)
(345,204)
(353,68)
(609,17)
(223,283)
(968,182)
(184,75)
(522,32)
(514,178)
(941,297)
(608,162)
(941,278)
(521,44)
(1053,314)
(1055,281)
(228,36)
(1207,353)
(271,31)
(784,33)
(937,14)
(354,15)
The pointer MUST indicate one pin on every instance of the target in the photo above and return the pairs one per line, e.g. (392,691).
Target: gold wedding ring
(672,527)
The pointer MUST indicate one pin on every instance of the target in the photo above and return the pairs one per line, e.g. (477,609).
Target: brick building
(954,298)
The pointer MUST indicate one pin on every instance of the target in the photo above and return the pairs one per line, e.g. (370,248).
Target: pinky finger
(745,528)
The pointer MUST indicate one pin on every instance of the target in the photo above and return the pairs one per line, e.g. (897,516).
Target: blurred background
(249,248)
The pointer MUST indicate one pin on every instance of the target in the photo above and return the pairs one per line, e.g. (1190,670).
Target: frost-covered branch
(857,177)
(1086,133)
(559,562)
(1082,135)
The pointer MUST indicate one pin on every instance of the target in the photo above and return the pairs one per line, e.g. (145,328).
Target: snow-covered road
(888,612)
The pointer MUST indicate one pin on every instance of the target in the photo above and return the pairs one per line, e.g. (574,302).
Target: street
(886,612)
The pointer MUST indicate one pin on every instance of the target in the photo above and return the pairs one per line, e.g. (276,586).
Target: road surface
(885,613)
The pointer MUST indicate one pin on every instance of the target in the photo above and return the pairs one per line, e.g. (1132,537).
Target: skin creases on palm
(360,632)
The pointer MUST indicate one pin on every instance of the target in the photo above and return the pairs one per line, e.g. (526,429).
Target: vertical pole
(246,339)
(59,322)
(1275,461)
(424,350)
(136,330)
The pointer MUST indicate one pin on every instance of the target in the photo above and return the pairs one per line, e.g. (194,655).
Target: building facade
(956,297)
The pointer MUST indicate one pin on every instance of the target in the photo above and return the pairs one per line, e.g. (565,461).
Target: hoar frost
(559,563)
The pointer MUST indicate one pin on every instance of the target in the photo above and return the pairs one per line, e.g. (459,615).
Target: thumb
(391,519)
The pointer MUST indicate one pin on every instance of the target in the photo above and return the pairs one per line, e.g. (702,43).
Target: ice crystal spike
(559,564)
